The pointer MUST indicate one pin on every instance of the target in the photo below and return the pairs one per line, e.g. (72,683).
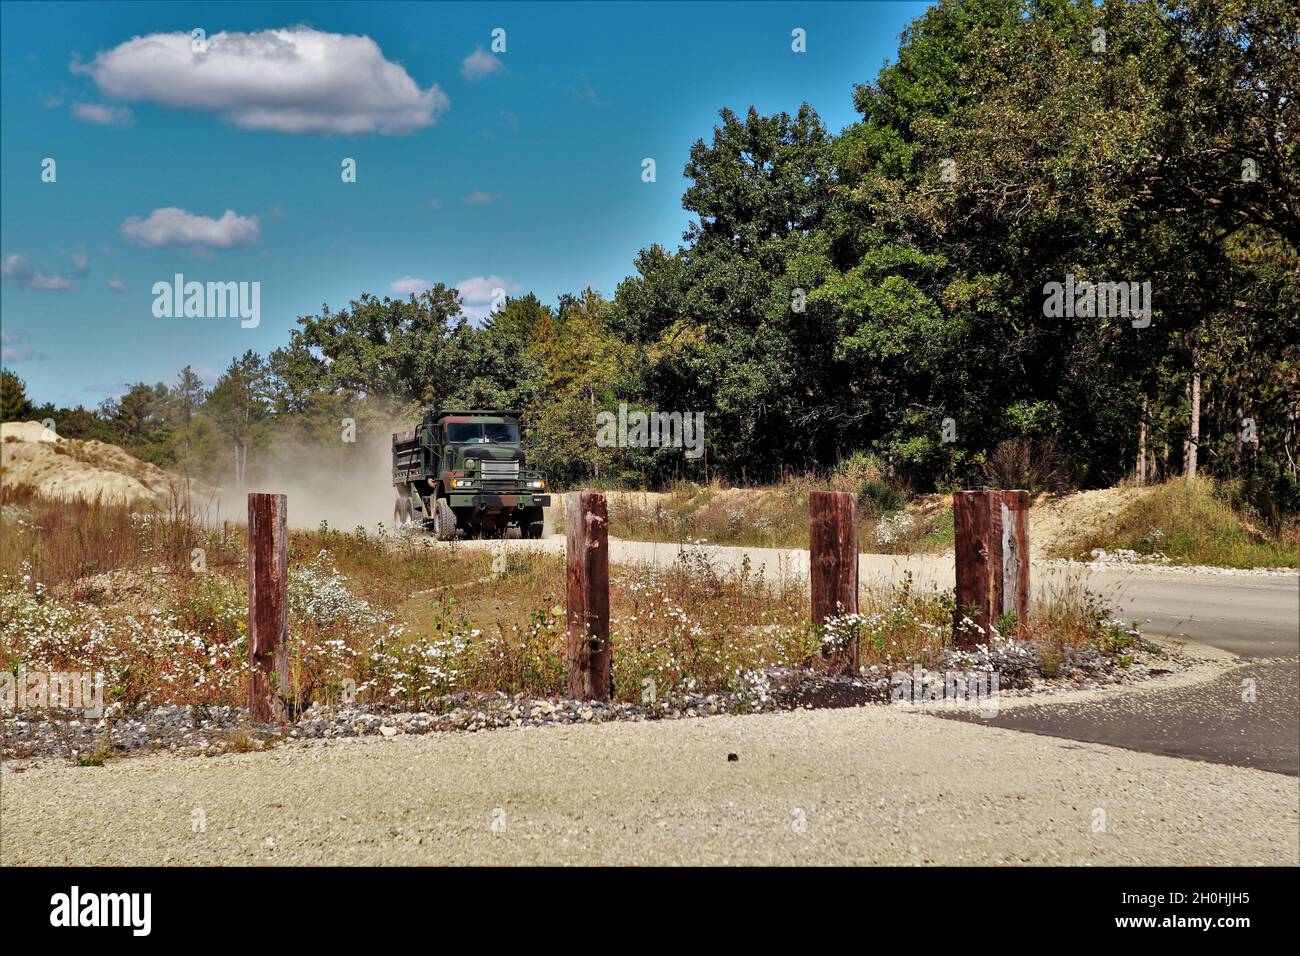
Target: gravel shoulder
(874,785)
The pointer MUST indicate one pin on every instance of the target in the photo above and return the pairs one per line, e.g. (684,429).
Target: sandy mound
(67,469)
(1057,520)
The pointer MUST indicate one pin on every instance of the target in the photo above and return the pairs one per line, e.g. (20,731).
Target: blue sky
(519,169)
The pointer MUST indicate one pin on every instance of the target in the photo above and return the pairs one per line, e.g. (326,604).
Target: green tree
(15,406)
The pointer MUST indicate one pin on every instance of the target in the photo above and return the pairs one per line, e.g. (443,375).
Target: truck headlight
(462,482)
(537,485)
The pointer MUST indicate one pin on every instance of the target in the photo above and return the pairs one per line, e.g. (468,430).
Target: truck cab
(462,472)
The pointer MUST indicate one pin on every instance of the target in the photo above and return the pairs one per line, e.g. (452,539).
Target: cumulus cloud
(408,285)
(480,64)
(103,115)
(117,285)
(480,289)
(478,294)
(18,268)
(295,80)
(176,227)
(478,198)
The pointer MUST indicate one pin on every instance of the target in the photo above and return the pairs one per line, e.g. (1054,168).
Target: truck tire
(530,523)
(444,521)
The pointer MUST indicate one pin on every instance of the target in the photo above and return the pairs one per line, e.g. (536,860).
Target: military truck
(462,473)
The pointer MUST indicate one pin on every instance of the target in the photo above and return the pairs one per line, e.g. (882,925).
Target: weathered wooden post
(268,607)
(992,554)
(586,520)
(833,567)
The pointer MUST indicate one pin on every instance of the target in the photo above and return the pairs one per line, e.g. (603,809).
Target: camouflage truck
(462,472)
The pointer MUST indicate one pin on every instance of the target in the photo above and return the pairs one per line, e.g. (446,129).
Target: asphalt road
(1247,717)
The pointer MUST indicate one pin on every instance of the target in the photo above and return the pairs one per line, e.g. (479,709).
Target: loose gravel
(868,785)
(1125,560)
(217,730)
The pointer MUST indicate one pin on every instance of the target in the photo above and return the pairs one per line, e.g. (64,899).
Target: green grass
(1191,522)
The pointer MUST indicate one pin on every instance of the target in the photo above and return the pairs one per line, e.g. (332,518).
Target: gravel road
(873,785)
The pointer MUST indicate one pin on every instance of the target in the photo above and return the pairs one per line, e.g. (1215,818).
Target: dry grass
(1191,522)
(776,516)
(407,623)
(60,542)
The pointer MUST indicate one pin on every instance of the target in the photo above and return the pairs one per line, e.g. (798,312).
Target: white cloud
(409,285)
(17,268)
(176,227)
(205,374)
(478,294)
(103,115)
(10,355)
(117,285)
(13,348)
(295,80)
(50,282)
(480,64)
(81,262)
(479,289)
(477,198)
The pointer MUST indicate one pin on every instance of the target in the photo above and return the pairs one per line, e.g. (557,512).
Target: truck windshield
(477,433)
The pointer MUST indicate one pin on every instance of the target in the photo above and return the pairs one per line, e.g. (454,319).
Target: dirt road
(874,785)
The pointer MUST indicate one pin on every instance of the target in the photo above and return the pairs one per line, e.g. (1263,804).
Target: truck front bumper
(484,501)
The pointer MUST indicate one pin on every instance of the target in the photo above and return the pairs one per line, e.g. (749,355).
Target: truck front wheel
(444,520)
(530,523)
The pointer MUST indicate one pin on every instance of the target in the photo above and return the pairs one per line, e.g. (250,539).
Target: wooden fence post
(586,521)
(1012,522)
(992,555)
(833,567)
(268,607)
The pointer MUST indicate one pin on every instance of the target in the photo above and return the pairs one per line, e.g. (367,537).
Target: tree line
(882,290)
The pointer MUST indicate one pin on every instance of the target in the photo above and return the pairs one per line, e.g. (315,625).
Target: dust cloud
(345,484)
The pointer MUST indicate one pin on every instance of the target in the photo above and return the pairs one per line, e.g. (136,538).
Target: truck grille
(498,475)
